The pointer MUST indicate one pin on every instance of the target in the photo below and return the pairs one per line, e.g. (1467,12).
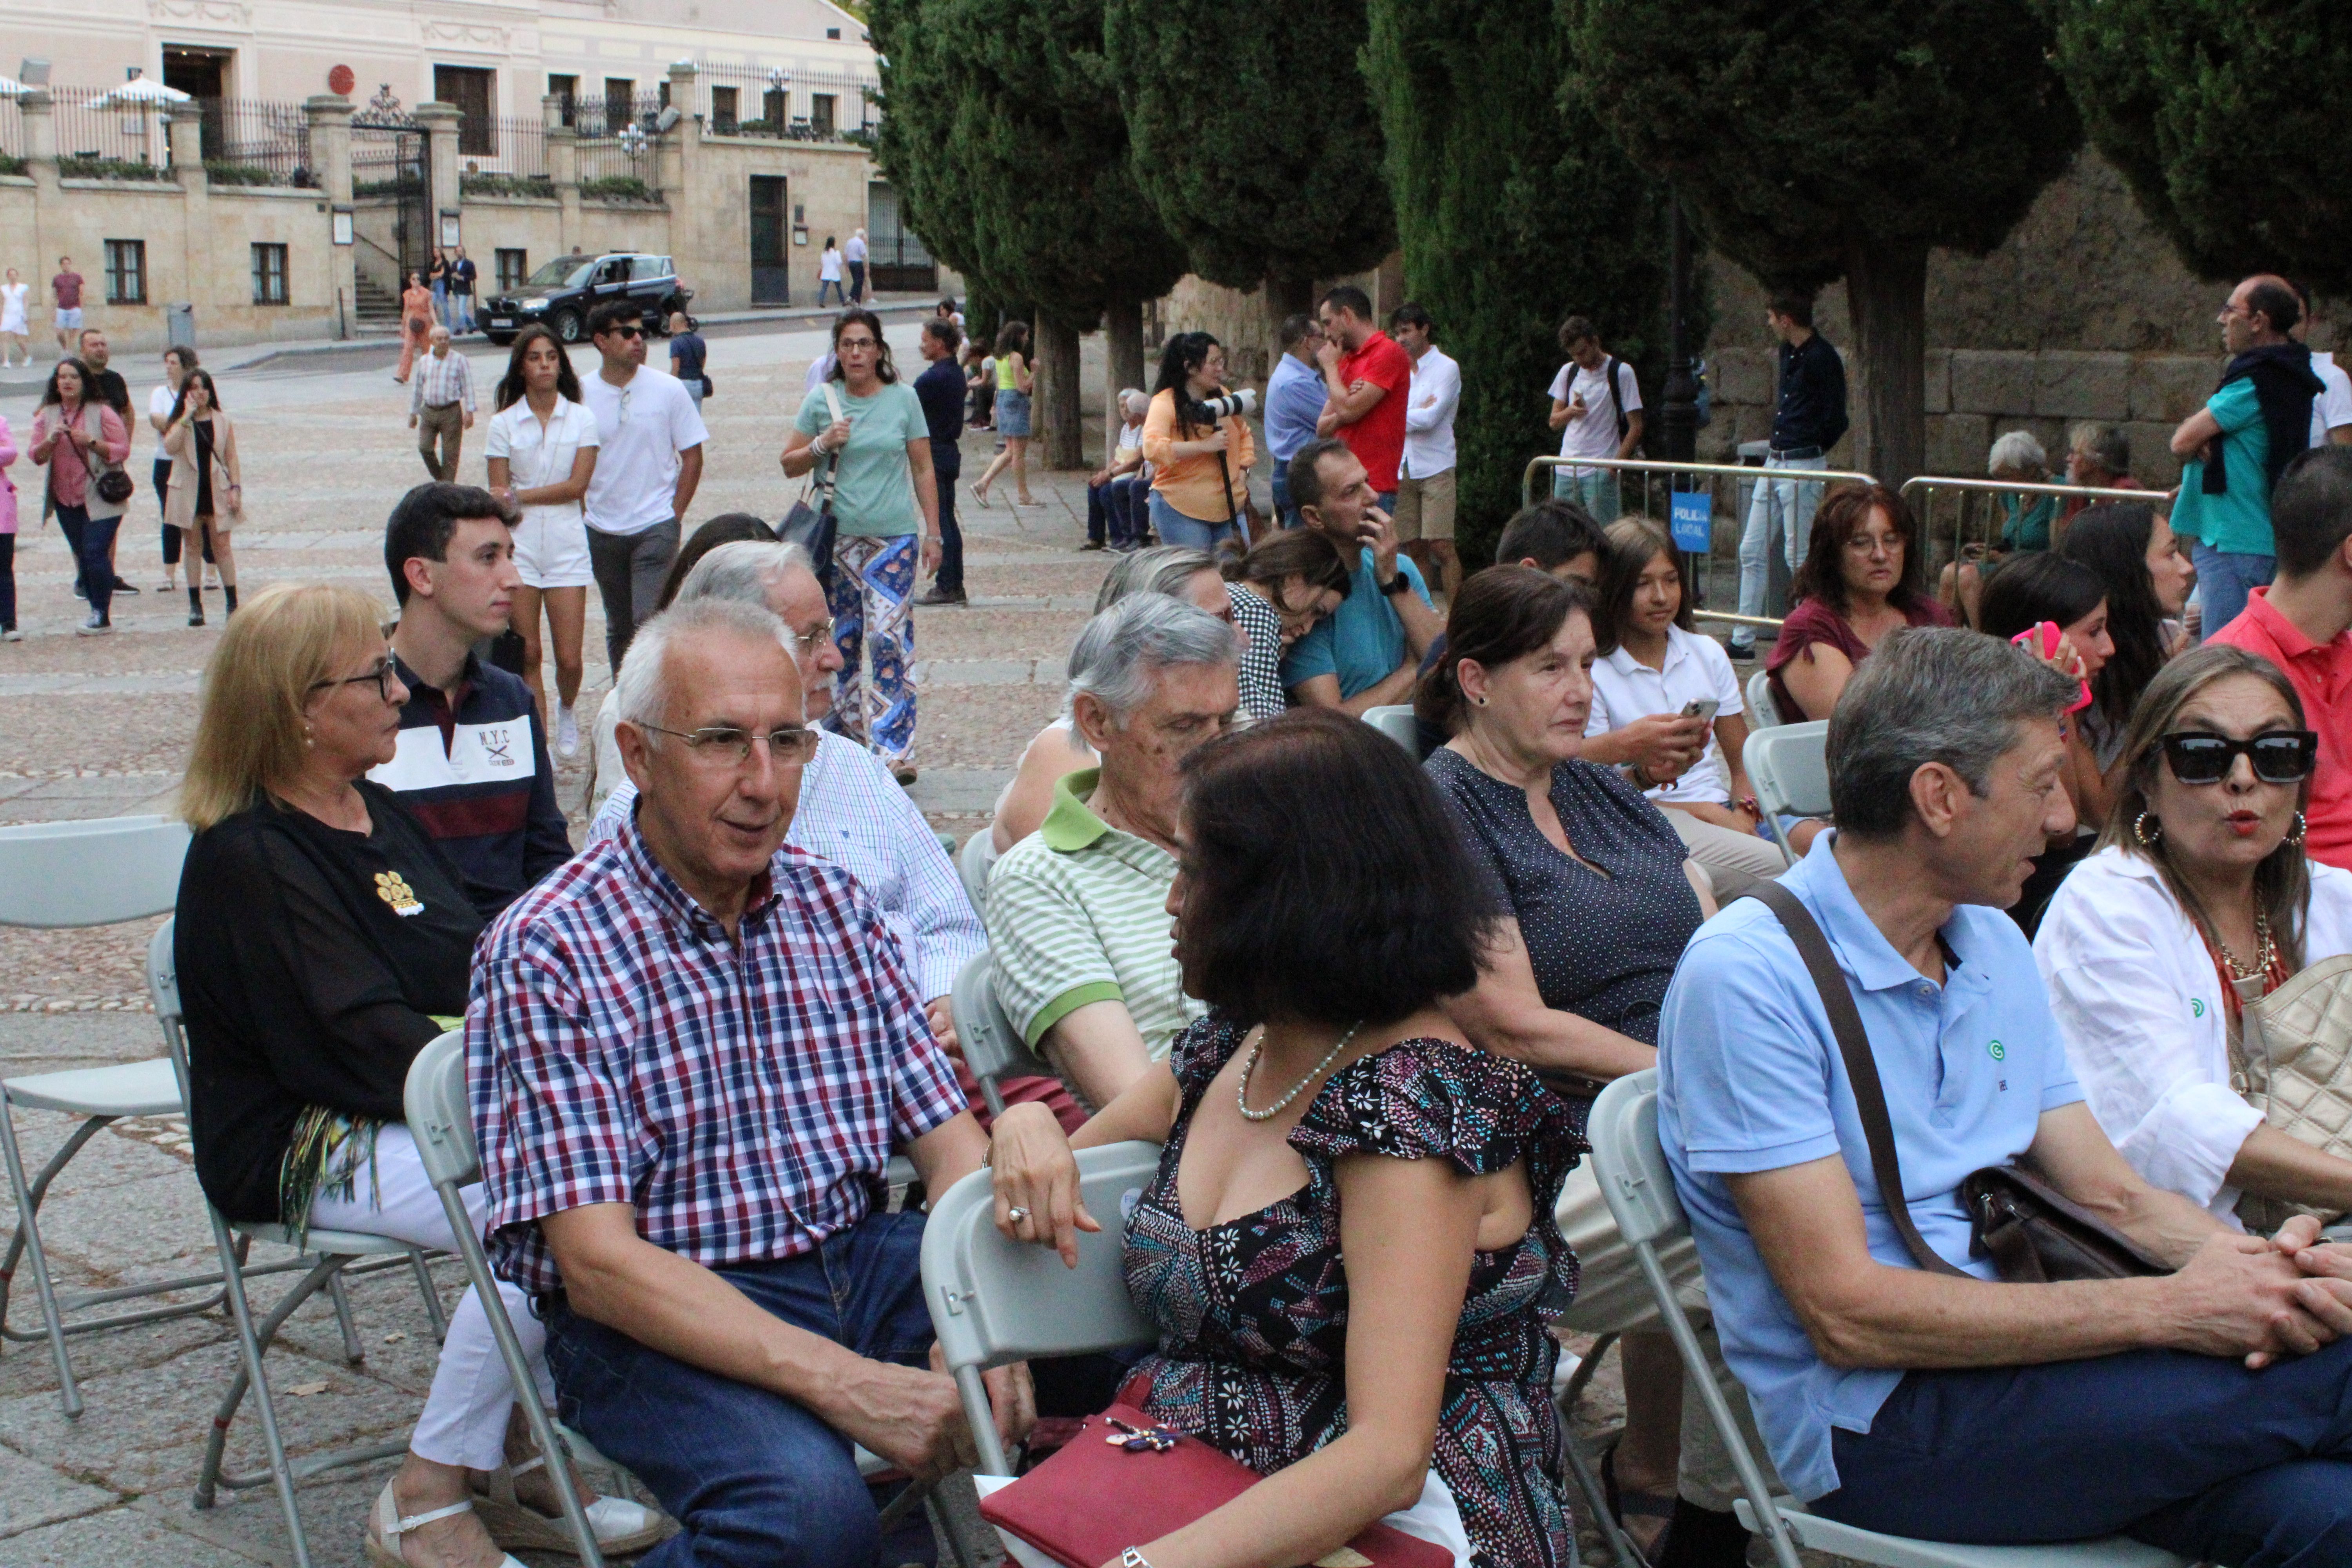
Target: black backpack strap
(1616,401)
(1861,1067)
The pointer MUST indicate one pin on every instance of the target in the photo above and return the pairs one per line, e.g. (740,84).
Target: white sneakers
(96,626)
(567,732)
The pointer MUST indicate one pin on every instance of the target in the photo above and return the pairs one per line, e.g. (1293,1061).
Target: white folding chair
(328,1257)
(441,1122)
(992,1046)
(85,874)
(1763,713)
(1640,1191)
(1395,722)
(972,864)
(994,1301)
(1788,766)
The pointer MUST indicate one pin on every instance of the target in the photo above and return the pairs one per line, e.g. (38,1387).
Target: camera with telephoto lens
(1210,410)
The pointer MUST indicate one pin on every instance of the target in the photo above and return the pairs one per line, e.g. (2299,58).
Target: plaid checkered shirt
(744,1097)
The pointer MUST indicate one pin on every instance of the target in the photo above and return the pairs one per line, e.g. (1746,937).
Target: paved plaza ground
(99,727)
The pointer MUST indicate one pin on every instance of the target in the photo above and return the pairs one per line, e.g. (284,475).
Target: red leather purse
(1109,1489)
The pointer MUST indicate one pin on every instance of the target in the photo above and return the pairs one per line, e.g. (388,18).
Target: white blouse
(537,456)
(2138,1004)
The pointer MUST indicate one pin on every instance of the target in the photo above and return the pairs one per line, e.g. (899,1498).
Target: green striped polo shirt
(1077,913)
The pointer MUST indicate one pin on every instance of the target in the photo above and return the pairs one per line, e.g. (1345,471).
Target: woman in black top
(321,939)
(1600,901)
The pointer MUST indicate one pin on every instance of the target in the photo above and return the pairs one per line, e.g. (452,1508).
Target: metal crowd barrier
(1711,576)
(1979,524)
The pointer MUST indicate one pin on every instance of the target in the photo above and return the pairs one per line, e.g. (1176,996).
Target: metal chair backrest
(991,1046)
(973,863)
(163,991)
(994,1300)
(1763,713)
(440,1116)
(54,873)
(1395,722)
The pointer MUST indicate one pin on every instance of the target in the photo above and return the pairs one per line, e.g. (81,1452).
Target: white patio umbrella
(140,91)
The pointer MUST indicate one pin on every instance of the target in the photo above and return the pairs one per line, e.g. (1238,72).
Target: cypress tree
(1503,235)
(1827,138)
(1254,137)
(1003,113)
(2229,124)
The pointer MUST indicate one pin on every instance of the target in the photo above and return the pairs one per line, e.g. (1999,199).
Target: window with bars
(126,272)
(269,275)
(620,102)
(513,266)
(566,88)
(723,111)
(820,113)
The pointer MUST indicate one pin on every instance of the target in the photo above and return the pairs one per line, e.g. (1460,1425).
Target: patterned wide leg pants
(871,595)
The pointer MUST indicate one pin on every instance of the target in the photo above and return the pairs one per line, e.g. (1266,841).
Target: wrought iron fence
(11,129)
(116,139)
(620,167)
(793,104)
(249,143)
(515,163)
(593,115)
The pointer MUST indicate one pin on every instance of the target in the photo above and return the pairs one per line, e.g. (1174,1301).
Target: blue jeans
(1174,528)
(1784,506)
(840,295)
(752,1477)
(2190,1453)
(1111,512)
(2224,578)
(93,543)
(441,304)
(1596,490)
(1284,514)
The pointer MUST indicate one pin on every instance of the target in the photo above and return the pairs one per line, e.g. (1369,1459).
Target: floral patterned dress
(1252,1313)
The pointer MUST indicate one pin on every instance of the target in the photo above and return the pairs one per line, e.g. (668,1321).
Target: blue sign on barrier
(1692,514)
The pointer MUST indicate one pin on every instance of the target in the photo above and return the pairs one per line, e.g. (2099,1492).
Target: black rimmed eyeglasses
(381,677)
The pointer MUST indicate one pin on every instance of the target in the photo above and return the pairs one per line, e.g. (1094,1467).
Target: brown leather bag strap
(1861,1067)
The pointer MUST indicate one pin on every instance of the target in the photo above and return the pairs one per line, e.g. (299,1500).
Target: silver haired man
(851,811)
(1899,1386)
(1077,917)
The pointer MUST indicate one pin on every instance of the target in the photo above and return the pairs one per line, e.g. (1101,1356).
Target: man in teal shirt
(1367,654)
(2235,447)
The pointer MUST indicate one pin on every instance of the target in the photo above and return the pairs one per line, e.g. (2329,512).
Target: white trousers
(465,1417)
(1734,861)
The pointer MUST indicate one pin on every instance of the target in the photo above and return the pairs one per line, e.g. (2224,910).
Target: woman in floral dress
(1349,1248)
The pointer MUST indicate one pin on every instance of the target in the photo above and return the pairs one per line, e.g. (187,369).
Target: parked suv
(566,290)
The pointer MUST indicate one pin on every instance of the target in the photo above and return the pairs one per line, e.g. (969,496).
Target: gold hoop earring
(2140,830)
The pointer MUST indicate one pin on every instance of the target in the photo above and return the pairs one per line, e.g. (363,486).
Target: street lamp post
(1678,417)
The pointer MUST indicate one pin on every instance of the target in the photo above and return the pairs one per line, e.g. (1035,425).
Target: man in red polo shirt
(1367,380)
(2303,624)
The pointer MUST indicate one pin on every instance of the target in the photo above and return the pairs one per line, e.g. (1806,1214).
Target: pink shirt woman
(8,632)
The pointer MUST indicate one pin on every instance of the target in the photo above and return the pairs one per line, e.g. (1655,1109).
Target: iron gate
(389,169)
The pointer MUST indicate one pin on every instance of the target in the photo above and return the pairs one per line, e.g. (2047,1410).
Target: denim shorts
(1011,413)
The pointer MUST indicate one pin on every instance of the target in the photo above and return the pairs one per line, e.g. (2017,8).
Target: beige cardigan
(180,499)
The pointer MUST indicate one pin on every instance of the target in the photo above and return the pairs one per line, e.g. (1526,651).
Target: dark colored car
(563,293)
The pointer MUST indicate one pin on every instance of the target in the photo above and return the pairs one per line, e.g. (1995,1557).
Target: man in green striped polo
(1077,912)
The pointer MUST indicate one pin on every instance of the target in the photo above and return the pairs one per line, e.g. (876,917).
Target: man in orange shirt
(2303,624)
(1367,381)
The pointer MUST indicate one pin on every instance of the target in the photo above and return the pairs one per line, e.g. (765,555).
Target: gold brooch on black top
(394,889)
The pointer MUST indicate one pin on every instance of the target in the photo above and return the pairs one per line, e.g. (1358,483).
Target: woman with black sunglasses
(2198,899)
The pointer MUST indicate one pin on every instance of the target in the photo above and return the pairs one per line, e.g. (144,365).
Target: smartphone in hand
(1704,708)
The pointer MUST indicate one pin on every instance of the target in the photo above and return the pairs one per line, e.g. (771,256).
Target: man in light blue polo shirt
(1367,652)
(2032,1413)
(1294,402)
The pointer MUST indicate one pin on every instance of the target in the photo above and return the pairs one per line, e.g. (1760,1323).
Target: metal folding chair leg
(519,1371)
(251,1347)
(28,1232)
(353,1352)
(1621,1549)
(432,1296)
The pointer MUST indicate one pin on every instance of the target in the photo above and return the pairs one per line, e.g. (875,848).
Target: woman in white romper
(542,449)
(14,332)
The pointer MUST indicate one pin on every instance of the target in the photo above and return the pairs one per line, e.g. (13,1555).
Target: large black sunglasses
(2279,757)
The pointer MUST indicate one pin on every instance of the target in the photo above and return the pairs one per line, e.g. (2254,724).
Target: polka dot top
(1603,946)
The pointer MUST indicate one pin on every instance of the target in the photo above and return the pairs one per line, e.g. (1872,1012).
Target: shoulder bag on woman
(2292,1060)
(814,528)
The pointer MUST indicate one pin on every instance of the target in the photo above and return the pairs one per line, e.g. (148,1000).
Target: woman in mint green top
(880,450)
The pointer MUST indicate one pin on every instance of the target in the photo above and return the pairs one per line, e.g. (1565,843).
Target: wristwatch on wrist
(1396,586)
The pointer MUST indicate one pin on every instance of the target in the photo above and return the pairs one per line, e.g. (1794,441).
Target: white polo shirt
(2333,407)
(1697,669)
(641,428)
(540,455)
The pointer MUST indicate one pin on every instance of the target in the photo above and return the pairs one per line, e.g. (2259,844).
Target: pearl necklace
(1241,1089)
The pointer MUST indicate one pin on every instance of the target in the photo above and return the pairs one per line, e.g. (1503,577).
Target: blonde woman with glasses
(322,940)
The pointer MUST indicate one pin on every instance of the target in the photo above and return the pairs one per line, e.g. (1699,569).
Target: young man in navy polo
(472,761)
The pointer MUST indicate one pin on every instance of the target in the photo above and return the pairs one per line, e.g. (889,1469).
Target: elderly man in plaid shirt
(691,1052)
